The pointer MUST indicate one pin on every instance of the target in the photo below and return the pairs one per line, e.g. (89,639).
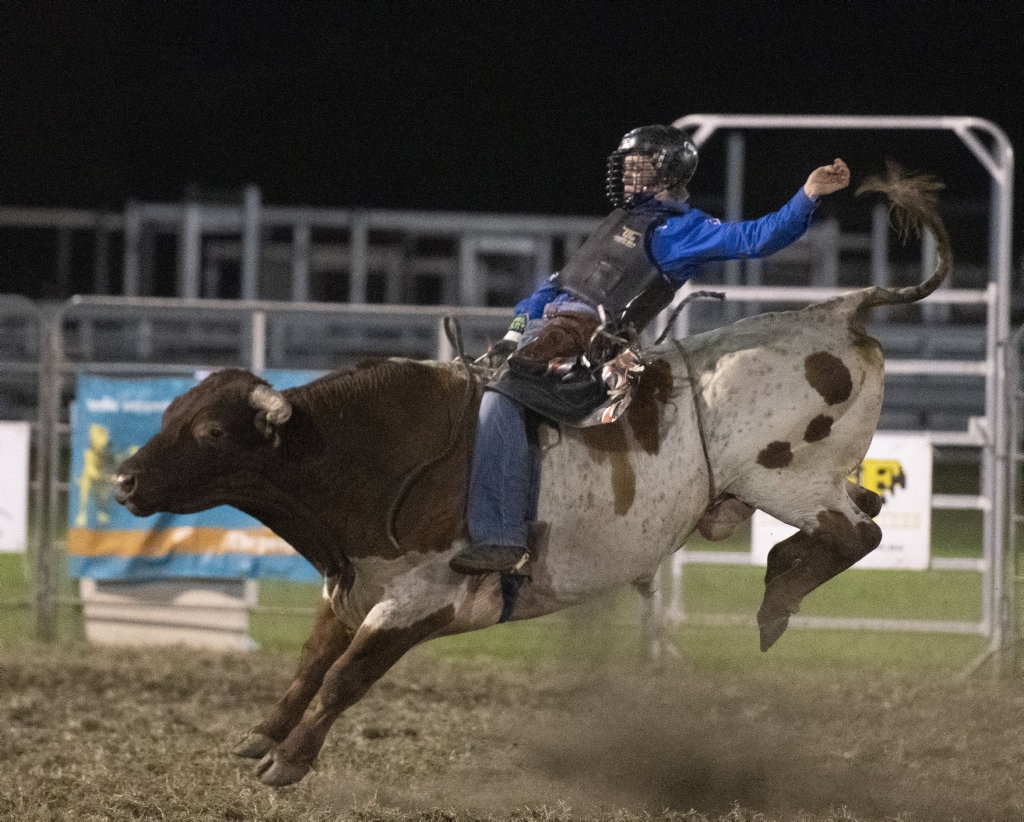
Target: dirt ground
(90,734)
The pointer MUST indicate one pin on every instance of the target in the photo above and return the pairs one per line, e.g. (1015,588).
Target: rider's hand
(827,179)
(498,353)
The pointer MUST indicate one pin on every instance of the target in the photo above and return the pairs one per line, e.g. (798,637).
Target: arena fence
(139,337)
(117,336)
(1015,482)
(989,147)
(977,436)
(21,381)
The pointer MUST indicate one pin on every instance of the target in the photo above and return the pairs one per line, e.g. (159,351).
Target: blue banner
(111,419)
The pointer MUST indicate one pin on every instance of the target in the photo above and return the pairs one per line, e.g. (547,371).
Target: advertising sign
(897,467)
(111,419)
(14,479)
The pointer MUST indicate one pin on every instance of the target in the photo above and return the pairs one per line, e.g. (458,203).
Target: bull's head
(214,443)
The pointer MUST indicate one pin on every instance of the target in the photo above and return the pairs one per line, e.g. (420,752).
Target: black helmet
(673,154)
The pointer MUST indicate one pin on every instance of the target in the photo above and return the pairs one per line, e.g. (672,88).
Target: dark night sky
(479,106)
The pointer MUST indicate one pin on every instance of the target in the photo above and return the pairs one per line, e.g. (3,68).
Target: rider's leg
(502,489)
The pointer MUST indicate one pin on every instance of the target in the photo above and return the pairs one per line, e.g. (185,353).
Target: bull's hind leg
(839,537)
(326,643)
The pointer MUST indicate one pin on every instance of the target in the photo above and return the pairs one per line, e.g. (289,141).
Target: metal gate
(1015,484)
(21,381)
(990,433)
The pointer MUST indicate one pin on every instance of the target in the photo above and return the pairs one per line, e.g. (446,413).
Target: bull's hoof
(274,771)
(773,615)
(772,630)
(254,746)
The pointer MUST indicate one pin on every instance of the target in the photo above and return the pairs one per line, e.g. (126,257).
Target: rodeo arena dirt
(103,734)
(399,708)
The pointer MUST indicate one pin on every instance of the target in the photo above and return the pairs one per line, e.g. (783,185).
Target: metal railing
(987,144)
(149,336)
(1014,504)
(977,435)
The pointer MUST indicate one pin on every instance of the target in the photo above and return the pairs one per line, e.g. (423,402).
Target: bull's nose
(125,486)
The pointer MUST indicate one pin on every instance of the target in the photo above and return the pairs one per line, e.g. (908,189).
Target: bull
(364,473)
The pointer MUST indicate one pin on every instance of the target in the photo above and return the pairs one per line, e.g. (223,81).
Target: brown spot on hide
(818,428)
(608,443)
(644,413)
(829,376)
(775,455)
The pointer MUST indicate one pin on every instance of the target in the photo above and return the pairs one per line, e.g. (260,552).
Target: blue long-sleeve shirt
(689,238)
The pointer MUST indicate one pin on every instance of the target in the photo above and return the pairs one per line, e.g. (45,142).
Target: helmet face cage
(672,155)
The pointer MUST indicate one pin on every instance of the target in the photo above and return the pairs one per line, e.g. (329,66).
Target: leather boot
(486,559)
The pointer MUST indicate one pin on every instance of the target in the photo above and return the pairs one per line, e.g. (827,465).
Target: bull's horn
(273,407)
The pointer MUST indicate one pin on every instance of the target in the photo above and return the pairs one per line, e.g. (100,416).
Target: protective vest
(612,268)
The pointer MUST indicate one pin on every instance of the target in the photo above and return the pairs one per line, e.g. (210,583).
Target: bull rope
(712,490)
(458,426)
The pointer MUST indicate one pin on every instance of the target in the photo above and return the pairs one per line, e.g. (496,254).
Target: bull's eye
(210,432)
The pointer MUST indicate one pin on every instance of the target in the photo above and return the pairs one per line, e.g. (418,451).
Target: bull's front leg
(385,635)
(326,643)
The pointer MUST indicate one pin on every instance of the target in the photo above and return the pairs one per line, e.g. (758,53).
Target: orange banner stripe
(83,542)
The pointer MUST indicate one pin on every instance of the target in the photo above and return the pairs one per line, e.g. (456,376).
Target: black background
(485,106)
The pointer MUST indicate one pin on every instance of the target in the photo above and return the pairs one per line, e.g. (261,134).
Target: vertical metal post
(988,481)
(543,262)
(735,154)
(45,567)
(1001,245)
(880,276)
(147,257)
(251,230)
(132,250)
(190,251)
(300,262)
(101,260)
(470,290)
(443,348)
(827,276)
(1014,507)
(258,342)
(359,246)
(63,262)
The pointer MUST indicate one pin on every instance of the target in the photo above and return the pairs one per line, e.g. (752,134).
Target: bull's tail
(914,206)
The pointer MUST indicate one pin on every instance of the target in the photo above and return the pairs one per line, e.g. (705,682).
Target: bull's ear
(272,410)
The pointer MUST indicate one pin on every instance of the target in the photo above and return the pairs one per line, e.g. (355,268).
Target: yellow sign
(880,475)
(897,467)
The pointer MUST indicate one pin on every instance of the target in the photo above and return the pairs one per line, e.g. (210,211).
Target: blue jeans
(505,477)
(504,483)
